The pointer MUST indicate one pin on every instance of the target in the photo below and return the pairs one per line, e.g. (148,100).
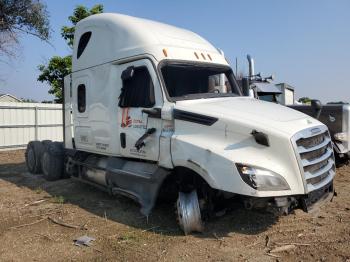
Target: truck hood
(251,111)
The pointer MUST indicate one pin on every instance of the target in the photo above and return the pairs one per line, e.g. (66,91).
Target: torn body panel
(138,180)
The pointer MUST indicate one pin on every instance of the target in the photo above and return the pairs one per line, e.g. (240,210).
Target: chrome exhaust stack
(251,66)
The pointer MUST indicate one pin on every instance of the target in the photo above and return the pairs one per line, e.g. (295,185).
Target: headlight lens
(262,179)
(341,137)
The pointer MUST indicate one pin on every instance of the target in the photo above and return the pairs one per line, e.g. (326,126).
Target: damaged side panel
(138,180)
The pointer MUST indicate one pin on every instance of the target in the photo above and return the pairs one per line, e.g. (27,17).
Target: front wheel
(189,213)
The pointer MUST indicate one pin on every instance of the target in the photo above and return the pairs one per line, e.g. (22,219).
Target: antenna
(236,66)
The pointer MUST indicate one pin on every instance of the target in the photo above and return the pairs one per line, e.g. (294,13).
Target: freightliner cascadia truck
(152,110)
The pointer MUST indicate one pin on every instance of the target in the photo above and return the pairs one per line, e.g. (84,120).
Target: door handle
(140,142)
(123,140)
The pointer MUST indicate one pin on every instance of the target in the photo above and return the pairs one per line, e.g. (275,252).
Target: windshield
(268,97)
(194,81)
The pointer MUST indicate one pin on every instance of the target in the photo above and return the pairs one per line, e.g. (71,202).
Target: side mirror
(128,73)
(317,106)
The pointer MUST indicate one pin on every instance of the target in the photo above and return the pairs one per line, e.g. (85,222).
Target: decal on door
(138,123)
(126,119)
(135,152)
(102,146)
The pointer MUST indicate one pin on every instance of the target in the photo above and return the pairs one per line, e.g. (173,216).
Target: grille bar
(311,155)
(311,141)
(321,158)
(313,185)
(316,180)
(319,172)
(302,149)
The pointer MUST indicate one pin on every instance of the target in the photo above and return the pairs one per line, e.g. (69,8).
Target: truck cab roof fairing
(117,36)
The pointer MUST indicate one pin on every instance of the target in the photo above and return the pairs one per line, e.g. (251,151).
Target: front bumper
(285,204)
(317,198)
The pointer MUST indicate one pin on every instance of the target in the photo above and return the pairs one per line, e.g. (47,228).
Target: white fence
(23,122)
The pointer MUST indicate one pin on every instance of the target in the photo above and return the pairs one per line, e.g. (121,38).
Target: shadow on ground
(123,210)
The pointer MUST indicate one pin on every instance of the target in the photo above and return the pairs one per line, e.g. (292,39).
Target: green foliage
(28,100)
(54,72)
(19,17)
(305,100)
(39,190)
(58,67)
(58,200)
(80,12)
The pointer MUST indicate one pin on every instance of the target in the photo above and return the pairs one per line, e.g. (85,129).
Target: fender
(198,169)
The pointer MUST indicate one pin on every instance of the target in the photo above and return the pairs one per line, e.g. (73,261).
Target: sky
(303,43)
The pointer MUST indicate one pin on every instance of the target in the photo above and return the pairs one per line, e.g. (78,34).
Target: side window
(83,41)
(81,98)
(138,89)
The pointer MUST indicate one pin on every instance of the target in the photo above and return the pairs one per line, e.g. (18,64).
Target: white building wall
(23,122)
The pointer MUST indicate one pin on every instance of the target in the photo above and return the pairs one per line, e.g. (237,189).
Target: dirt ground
(40,220)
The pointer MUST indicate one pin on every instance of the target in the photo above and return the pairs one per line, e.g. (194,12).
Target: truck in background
(335,116)
(151,110)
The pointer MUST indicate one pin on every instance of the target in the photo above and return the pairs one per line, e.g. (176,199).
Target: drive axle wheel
(189,213)
(52,161)
(33,156)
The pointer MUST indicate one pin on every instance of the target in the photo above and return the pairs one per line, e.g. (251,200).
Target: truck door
(139,110)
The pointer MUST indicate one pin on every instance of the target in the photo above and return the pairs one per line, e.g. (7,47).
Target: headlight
(341,137)
(262,179)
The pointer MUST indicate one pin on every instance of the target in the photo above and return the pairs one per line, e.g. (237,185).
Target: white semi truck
(153,110)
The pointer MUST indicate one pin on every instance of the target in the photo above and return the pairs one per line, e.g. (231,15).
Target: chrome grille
(315,155)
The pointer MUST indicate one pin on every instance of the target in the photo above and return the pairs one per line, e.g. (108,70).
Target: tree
(18,17)
(305,100)
(28,100)
(54,72)
(58,67)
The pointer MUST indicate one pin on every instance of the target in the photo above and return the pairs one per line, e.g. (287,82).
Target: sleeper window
(83,41)
(138,91)
(81,98)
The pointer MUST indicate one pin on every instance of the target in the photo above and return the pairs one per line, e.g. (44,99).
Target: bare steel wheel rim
(188,212)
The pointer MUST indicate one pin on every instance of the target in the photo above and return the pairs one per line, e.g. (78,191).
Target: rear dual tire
(52,161)
(33,155)
(45,157)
